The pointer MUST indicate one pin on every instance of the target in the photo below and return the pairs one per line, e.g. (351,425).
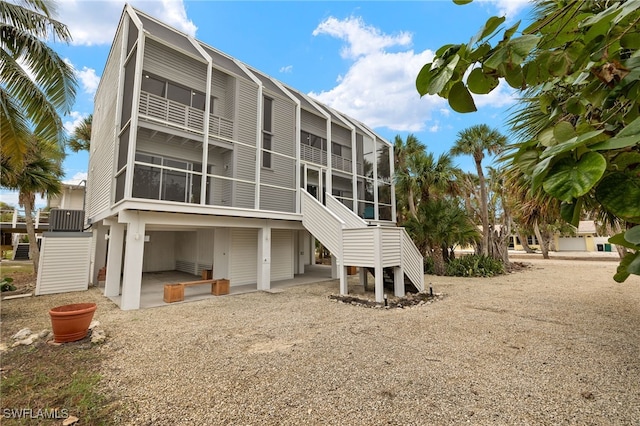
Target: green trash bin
(607,247)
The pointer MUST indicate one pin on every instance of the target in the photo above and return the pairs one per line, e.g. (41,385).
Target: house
(199,161)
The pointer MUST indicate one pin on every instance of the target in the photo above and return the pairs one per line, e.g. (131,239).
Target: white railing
(322,223)
(412,261)
(318,156)
(348,216)
(183,116)
(17,217)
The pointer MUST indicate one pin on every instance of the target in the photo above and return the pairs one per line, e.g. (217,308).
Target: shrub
(427,266)
(474,265)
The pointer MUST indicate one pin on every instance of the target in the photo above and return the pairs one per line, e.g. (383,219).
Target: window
(336,149)
(267,114)
(175,92)
(159,178)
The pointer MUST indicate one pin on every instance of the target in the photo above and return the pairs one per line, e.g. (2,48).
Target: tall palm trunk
(439,266)
(484,213)
(27,201)
(523,241)
(543,244)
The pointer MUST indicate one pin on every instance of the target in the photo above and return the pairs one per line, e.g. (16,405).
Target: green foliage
(5,284)
(475,266)
(577,67)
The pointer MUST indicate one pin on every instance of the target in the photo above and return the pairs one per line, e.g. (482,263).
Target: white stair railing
(347,215)
(412,261)
(322,223)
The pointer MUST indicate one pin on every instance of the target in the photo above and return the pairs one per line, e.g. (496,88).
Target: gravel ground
(555,344)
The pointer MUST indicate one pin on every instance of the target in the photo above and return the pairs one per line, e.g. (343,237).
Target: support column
(398,281)
(344,283)
(364,277)
(335,273)
(379,283)
(100,253)
(114,260)
(132,277)
(303,247)
(264,257)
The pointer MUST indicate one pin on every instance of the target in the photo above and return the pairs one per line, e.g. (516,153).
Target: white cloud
(379,86)
(510,8)
(88,79)
(76,179)
(73,120)
(288,69)
(362,39)
(95,22)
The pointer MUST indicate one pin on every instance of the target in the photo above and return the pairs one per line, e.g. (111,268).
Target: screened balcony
(181,116)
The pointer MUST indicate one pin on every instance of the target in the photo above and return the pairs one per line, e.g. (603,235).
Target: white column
(335,273)
(132,277)
(100,253)
(264,257)
(364,275)
(398,281)
(114,260)
(344,284)
(379,283)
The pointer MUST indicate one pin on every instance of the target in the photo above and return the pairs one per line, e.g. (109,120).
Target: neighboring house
(586,238)
(71,197)
(199,161)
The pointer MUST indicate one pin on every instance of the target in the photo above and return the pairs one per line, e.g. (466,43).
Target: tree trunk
(524,242)
(543,246)
(484,209)
(439,266)
(27,201)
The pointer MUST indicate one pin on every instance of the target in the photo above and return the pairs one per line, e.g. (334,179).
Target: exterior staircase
(354,243)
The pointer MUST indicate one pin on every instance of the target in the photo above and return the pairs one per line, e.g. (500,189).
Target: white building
(199,161)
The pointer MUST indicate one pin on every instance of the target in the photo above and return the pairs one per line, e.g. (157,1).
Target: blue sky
(358,57)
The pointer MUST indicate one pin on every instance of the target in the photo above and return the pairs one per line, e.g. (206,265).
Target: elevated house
(199,161)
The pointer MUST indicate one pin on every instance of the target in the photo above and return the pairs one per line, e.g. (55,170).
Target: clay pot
(71,322)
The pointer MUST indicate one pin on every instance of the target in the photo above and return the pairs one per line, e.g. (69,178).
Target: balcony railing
(318,156)
(182,116)
(17,217)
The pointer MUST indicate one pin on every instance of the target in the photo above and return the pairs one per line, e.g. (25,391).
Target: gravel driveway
(555,344)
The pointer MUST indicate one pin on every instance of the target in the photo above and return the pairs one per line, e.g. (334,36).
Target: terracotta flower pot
(71,322)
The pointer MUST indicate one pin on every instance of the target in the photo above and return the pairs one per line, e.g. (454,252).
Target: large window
(267,127)
(175,92)
(160,178)
(314,141)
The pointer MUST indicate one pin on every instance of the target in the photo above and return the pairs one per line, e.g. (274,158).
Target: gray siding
(277,199)
(284,127)
(244,256)
(64,264)
(281,254)
(314,124)
(340,135)
(223,89)
(247,112)
(166,62)
(104,135)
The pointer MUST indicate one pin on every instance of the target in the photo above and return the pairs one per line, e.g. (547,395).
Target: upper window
(267,114)
(175,92)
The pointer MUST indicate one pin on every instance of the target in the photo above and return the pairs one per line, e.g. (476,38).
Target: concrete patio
(152,291)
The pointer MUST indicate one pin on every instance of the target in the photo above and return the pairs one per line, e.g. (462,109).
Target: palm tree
(81,137)
(475,141)
(442,223)
(36,85)
(39,171)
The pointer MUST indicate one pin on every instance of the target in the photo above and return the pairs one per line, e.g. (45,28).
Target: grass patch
(63,379)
